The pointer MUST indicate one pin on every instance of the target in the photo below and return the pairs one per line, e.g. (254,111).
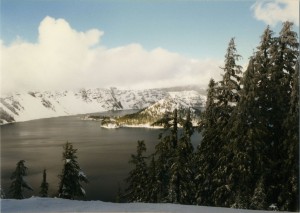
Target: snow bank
(47,205)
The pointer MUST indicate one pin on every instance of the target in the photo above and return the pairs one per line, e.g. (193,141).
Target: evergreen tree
(18,181)
(165,152)
(72,176)
(258,200)
(184,159)
(246,141)
(228,95)
(228,91)
(119,195)
(44,185)
(264,127)
(205,156)
(284,56)
(152,183)
(174,158)
(138,176)
(174,129)
(289,196)
(2,193)
(248,129)
(162,164)
(175,179)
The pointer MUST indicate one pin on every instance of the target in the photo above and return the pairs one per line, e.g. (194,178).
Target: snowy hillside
(35,105)
(47,205)
(177,100)
(146,117)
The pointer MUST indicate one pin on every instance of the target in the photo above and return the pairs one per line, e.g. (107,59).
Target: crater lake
(103,154)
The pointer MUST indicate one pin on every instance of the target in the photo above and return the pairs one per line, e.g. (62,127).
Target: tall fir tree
(2,193)
(228,95)
(184,159)
(249,153)
(44,185)
(246,144)
(162,165)
(258,200)
(289,196)
(18,181)
(152,183)
(119,195)
(72,176)
(174,129)
(138,176)
(246,151)
(180,190)
(284,56)
(206,154)
(165,156)
(229,86)
(175,179)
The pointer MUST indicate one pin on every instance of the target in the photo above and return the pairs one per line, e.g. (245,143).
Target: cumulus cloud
(64,58)
(274,11)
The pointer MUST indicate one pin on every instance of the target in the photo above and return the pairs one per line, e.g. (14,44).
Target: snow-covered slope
(182,101)
(47,205)
(179,101)
(35,105)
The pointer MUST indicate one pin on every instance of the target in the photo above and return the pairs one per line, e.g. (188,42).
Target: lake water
(103,154)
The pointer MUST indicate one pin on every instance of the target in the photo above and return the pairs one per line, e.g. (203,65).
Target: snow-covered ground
(46,205)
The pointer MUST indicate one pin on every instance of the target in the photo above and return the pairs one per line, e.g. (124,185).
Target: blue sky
(192,29)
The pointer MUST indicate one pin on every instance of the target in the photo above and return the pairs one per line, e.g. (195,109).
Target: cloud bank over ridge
(64,58)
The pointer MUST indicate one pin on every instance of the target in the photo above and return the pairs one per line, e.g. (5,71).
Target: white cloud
(64,58)
(274,11)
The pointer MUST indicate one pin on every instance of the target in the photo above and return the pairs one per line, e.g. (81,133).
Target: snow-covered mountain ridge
(149,116)
(35,105)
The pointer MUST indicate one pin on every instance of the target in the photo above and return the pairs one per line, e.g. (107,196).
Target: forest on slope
(249,155)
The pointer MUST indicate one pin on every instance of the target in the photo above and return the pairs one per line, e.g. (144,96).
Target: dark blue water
(103,154)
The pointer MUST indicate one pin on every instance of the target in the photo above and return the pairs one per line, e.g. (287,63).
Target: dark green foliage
(248,129)
(247,146)
(44,185)
(119,195)
(2,193)
(229,86)
(284,57)
(179,169)
(152,183)
(165,165)
(165,179)
(184,163)
(249,153)
(258,200)
(138,177)
(228,95)
(18,182)
(162,167)
(205,157)
(252,132)
(289,196)
(72,176)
